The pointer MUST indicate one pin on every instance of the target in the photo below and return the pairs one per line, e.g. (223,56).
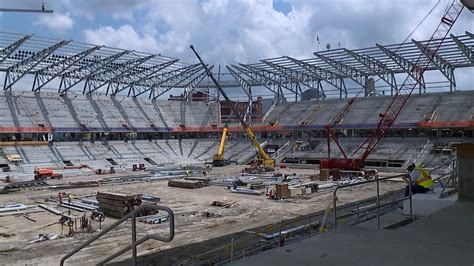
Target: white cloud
(123,37)
(55,21)
(231,31)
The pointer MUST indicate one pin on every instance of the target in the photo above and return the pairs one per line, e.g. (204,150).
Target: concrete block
(428,203)
(465,154)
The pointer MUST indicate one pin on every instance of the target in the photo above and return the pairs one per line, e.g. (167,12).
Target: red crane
(387,118)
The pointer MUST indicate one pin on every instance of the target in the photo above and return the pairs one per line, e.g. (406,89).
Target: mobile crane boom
(218,159)
(387,118)
(264,159)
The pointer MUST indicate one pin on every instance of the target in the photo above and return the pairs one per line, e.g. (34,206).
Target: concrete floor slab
(444,238)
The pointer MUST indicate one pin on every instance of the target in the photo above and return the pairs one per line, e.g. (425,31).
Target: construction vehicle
(46,173)
(263,159)
(218,158)
(387,118)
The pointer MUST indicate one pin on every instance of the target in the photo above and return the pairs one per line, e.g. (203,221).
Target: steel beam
(299,77)
(96,81)
(409,67)
(443,66)
(247,88)
(263,82)
(360,77)
(10,49)
(376,67)
(140,87)
(331,78)
(274,78)
(73,77)
(125,82)
(47,74)
(190,85)
(172,82)
(17,71)
(465,50)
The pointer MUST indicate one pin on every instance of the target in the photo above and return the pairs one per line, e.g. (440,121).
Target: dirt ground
(189,205)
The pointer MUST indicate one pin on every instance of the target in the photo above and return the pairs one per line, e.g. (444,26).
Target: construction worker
(69,197)
(421,181)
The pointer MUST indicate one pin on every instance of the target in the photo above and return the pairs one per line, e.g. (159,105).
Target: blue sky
(230,31)
(234,31)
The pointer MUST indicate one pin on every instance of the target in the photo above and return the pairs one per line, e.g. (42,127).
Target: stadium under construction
(113,156)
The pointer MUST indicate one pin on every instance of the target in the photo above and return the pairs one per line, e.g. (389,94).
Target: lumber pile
(116,204)
(205,180)
(182,183)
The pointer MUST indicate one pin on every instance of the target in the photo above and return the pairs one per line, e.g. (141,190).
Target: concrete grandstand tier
(50,112)
(454,109)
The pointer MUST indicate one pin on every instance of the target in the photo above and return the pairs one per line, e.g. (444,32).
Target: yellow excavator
(218,159)
(263,159)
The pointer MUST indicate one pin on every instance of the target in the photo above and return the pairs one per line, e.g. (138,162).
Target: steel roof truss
(17,71)
(10,49)
(72,78)
(95,82)
(405,64)
(126,81)
(47,74)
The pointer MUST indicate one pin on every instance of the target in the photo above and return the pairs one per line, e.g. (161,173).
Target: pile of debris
(118,205)
(224,203)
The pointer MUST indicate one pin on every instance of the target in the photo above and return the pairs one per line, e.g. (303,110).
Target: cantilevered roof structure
(68,65)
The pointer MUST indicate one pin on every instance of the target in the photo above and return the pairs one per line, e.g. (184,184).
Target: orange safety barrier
(257,128)
(22,143)
(25,129)
(441,124)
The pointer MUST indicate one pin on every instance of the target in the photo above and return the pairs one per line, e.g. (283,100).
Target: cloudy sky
(230,31)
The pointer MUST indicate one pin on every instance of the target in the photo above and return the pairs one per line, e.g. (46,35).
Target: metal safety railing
(135,242)
(449,180)
(378,206)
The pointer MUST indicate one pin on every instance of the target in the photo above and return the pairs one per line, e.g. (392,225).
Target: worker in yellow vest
(421,181)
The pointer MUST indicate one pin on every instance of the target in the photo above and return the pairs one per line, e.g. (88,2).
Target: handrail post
(335,207)
(378,201)
(134,240)
(411,199)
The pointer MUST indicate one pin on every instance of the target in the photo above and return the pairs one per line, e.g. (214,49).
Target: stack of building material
(205,180)
(182,183)
(116,204)
(282,191)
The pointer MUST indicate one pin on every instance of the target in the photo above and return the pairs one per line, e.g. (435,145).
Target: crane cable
(416,27)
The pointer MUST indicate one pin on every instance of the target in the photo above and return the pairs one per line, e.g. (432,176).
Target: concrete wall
(466,172)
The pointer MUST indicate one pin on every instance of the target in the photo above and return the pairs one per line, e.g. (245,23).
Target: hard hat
(411,163)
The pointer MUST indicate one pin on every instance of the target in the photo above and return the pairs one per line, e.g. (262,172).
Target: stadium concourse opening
(125,157)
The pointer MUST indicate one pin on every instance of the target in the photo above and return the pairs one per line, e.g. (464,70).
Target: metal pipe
(134,240)
(17,10)
(356,184)
(411,198)
(334,202)
(232,249)
(378,201)
(113,226)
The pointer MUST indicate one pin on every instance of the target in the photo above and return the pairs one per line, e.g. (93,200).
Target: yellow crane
(218,159)
(263,159)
